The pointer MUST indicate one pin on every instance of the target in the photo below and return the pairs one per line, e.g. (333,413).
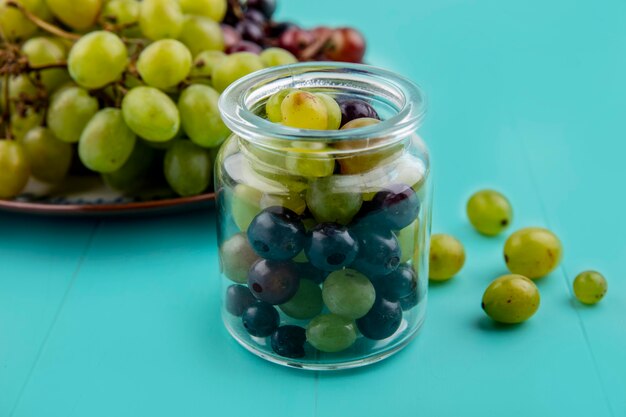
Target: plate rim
(48,208)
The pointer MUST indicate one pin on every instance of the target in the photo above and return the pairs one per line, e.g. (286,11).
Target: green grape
(151,114)
(333,110)
(203,65)
(245,205)
(15,25)
(42,51)
(121,12)
(331,333)
(358,123)
(213,9)
(364,160)
(292,200)
(304,110)
(533,252)
(201,34)
(187,168)
(312,165)
(20,87)
(106,142)
(200,116)
(348,293)
(447,257)
(328,203)
(272,107)
(511,299)
(236,258)
(15,168)
(21,123)
(164,63)
(306,304)
(69,111)
(407,238)
(273,57)
(234,67)
(590,287)
(134,174)
(79,15)
(160,19)
(49,158)
(97,59)
(489,212)
(300,257)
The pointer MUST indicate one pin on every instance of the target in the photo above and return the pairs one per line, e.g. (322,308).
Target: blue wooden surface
(120,317)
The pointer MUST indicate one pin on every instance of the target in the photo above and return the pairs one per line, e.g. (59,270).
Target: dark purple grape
(346,45)
(250,31)
(383,319)
(288,341)
(256,17)
(274,282)
(276,233)
(330,247)
(352,109)
(260,319)
(295,40)
(245,46)
(267,7)
(231,36)
(398,205)
(397,285)
(409,301)
(379,252)
(276,29)
(238,299)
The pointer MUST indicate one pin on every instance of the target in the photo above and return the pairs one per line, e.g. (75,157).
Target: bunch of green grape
(127,89)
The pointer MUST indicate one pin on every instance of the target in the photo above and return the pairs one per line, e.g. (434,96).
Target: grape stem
(47,66)
(7,110)
(316,47)
(237,9)
(42,23)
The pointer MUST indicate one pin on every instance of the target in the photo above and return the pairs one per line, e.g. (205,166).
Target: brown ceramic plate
(88,196)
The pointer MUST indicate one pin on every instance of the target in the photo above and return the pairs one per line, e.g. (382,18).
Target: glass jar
(324,235)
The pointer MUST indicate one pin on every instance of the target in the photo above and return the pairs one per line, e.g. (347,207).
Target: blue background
(119,317)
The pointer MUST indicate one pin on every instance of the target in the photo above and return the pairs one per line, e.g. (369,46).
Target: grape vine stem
(237,9)
(47,66)
(42,23)
(316,47)
(7,109)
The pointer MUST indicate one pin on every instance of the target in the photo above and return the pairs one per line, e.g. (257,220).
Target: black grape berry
(238,299)
(352,109)
(383,319)
(276,233)
(397,206)
(288,341)
(379,252)
(274,282)
(331,247)
(260,319)
(397,285)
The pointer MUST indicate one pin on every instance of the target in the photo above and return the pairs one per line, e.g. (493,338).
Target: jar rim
(236,101)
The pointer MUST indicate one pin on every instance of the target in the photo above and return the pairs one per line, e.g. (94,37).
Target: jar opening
(400,102)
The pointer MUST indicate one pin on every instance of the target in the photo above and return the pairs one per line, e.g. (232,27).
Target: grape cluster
(324,266)
(129,89)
